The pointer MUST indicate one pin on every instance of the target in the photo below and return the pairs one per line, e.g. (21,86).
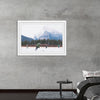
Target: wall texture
(83,43)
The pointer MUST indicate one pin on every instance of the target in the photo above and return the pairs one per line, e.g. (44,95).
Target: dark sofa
(89,88)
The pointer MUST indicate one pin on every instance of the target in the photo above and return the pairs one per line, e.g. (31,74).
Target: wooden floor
(19,94)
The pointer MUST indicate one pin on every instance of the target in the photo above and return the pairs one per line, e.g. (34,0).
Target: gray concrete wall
(83,45)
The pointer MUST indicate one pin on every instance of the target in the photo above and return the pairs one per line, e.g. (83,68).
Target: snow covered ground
(41,51)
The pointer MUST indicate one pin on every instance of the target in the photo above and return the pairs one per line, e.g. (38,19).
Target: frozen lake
(41,51)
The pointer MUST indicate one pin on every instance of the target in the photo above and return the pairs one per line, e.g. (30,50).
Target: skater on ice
(37,46)
(46,46)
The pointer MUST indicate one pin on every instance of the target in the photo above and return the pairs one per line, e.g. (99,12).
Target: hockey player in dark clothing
(46,46)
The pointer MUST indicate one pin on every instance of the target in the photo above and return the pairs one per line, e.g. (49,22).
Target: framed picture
(45,38)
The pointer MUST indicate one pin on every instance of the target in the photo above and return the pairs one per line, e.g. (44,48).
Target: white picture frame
(42,38)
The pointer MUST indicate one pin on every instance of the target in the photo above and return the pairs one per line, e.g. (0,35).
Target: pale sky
(31,29)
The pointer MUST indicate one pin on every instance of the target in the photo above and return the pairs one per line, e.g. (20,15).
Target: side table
(63,82)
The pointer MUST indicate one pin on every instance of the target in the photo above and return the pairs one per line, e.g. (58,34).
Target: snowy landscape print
(41,38)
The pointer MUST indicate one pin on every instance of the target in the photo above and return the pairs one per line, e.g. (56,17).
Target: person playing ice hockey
(37,46)
(58,45)
(46,46)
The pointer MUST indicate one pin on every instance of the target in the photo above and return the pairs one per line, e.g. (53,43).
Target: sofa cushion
(90,74)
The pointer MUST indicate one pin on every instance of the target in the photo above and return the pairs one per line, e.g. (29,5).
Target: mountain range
(25,38)
(46,35)
(51,36)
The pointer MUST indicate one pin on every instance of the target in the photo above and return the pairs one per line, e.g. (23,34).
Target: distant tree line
(44,41)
